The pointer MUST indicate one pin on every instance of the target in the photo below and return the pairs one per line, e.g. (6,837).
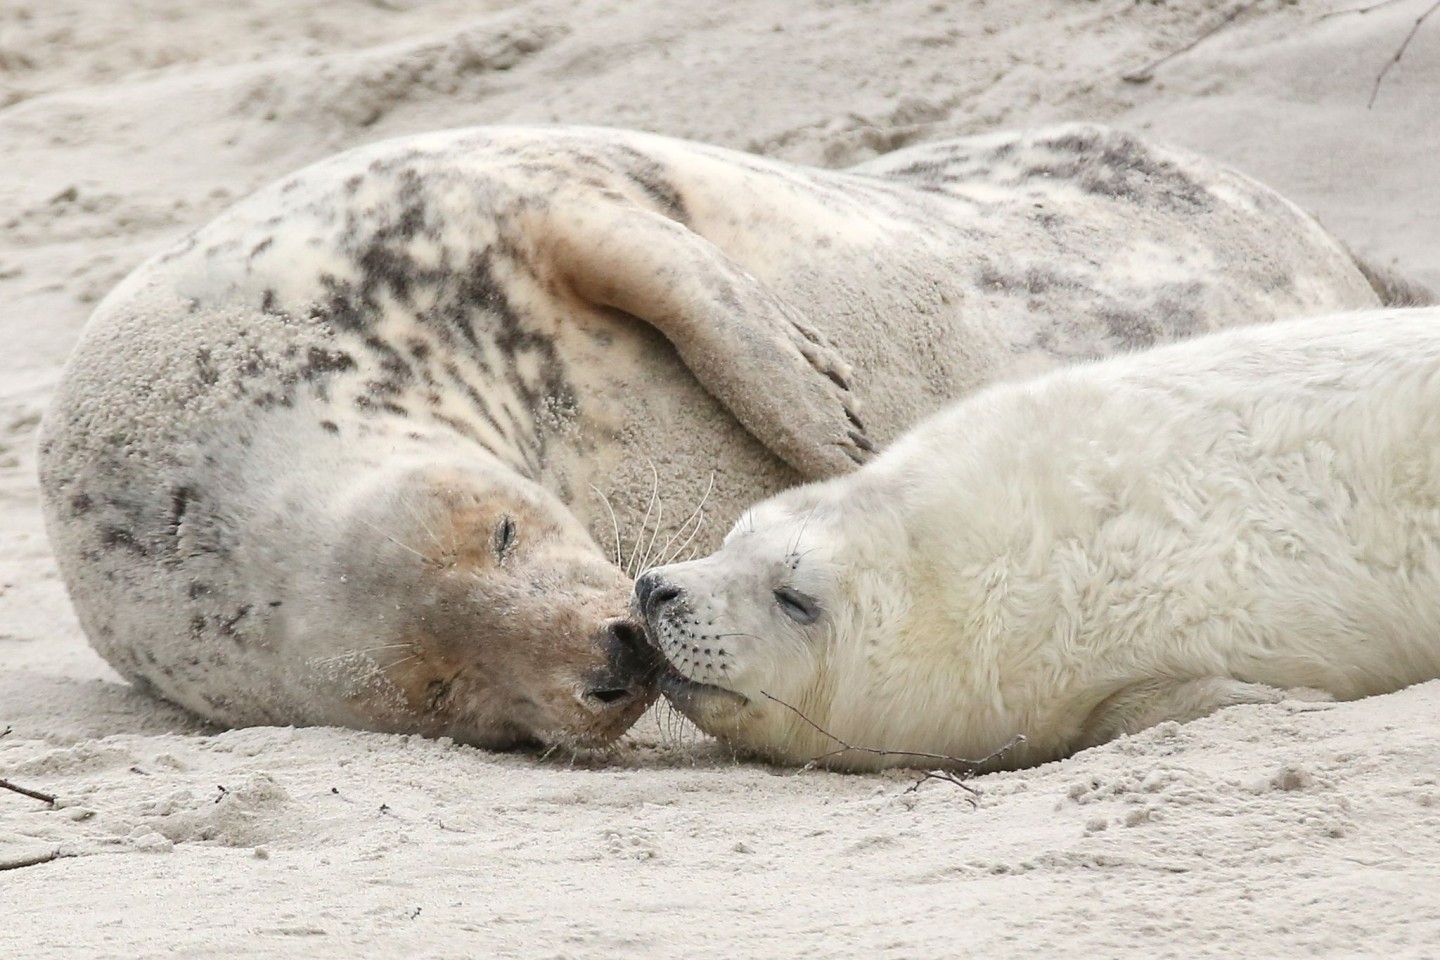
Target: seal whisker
(614,523)
(630,568)
(801,532)
(654,535)
(398,543)
(353,654)
(416,515)
(698,516)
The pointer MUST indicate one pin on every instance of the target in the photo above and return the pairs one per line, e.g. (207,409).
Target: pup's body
(1141,539)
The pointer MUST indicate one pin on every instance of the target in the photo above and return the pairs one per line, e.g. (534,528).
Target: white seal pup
(1116,544)
(331,458)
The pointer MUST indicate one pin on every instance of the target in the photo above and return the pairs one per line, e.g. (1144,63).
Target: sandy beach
(1292,830)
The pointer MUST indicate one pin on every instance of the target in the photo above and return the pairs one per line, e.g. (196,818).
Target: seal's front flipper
(1149,702)
(752,351)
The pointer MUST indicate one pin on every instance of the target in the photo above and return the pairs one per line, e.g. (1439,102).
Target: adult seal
(1147,538)
(343,455)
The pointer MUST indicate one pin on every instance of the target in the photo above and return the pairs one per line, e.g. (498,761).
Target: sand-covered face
(492,617)
(760,633)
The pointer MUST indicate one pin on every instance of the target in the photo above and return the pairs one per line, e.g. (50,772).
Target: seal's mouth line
(680,689)
(670,677)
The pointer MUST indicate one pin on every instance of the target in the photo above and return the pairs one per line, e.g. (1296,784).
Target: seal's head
(762,640)
(487,614)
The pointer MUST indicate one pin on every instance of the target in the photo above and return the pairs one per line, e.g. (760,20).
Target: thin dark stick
(1360,10)
(947,776)
(1414,29)
(36,794)
(1147,73)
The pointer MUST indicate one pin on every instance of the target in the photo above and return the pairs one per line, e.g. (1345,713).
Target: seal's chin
(709,707)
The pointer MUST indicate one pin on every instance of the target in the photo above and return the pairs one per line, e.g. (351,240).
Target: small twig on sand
(1147,73)
(36,794)
(1360,10)
(957,777)
(1399,52)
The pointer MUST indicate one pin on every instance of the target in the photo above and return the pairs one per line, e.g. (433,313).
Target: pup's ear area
(751,350)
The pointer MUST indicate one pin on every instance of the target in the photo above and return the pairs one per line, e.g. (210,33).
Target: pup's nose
(653,592)
(628,673)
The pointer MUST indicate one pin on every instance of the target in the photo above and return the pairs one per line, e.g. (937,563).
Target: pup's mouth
(682,691)
(704,704)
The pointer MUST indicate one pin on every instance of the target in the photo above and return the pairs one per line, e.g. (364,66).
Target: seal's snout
(653,593)
(628,674)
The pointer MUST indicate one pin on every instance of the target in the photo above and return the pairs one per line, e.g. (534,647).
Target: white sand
(1263,831)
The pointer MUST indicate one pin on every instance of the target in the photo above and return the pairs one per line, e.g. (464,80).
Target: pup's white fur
(1143,539)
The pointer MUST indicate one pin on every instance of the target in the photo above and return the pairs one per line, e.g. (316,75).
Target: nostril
(608,696)
(662,594)
(630,636)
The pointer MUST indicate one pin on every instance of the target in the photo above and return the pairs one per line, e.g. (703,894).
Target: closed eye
(798,607)
(504,537)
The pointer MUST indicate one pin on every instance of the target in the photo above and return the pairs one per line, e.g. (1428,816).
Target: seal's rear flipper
(752,351)
(1393,289)
(1149,702)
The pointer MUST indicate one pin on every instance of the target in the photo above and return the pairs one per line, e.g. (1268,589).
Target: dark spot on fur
(1132,329)
(464,429)
(80,504)
(371,405)
(651,177)
(254,364)
(435,693)
(1032,281)
(1114,164)
(180,500)
(197,626)
(112,537)
(227,627)
(198,589)
(184,247)
(320,362)
(329,426)
(342,308)
(205,368)
(261,247)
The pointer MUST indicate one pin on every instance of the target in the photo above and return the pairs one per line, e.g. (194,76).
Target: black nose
(629,667)
(652,592)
